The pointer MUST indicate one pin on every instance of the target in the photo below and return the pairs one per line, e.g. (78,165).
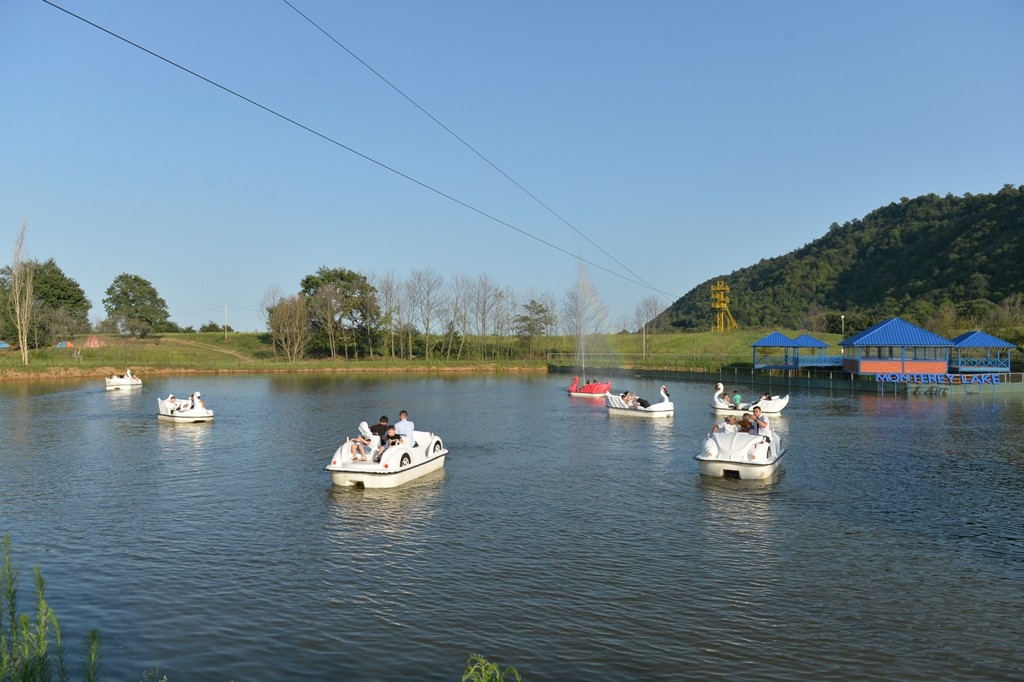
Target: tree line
(336,313)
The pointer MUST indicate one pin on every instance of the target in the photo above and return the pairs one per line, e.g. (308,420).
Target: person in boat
(405,428)
(727,425)
(391,439)
(184,403)
(736,399)
(746,423)
(380,429)
(760,426)
(361,442)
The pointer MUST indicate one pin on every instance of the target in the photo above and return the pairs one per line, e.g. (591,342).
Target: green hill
(949,263)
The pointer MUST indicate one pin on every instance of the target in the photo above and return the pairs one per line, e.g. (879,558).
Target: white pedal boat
(740,455)
(118,382)
(773,405)
(398,464)
(618,406)
(183,410)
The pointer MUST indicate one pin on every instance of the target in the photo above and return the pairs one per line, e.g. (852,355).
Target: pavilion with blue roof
(770,360)
(980,352)
(793,357)
(896,346)
(815,356)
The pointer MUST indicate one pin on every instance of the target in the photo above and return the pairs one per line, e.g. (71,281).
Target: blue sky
(685,139)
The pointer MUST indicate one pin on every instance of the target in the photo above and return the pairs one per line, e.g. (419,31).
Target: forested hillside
(945,261)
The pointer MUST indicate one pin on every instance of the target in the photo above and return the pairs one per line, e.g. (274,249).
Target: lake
(559,540)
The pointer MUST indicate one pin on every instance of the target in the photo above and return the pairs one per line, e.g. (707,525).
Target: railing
(821,361)
(1002,364)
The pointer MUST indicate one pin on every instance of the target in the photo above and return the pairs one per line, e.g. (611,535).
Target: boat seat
(616,401)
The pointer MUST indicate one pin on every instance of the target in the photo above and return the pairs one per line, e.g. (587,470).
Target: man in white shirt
(405,428)
(760,427)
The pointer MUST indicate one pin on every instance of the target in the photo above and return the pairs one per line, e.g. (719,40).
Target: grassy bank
(215,352)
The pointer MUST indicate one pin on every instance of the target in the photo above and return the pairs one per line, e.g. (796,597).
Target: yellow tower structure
(724,321)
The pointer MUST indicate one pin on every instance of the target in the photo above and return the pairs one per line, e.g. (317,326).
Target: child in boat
(391,438)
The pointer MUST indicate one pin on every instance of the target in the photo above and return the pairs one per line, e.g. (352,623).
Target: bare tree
(583,313)
(816,318)
(484,301)
(288,321)
(271,296)
(645,312)
(505,308)
(547,299)
(426,294)
(21,293)
(388,289)
(945,320)
(461,288)
(1010,312)
(326,306)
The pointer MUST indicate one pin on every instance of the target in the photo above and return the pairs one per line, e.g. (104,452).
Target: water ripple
(568,544)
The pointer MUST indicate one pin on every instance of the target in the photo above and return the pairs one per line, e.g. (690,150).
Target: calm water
(558,540)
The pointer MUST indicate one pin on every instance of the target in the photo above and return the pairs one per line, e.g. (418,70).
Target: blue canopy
(979,339)
(896,332)
(774,340)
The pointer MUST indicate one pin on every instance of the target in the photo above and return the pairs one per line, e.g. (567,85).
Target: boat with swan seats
(183,410)
(593,389)
(773,405)
(117,382)
(388,467)
(635,407)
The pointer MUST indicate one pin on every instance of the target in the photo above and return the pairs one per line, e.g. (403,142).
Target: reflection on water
(186,437)
(571,545)
(393,512)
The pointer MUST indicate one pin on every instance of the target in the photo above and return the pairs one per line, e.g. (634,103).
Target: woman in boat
(728,425)
(360,442)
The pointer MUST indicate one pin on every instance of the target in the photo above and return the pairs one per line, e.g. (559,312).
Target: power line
(361,155)
(218,307)
(466,144)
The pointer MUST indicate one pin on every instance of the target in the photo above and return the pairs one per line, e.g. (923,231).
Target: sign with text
(948,379)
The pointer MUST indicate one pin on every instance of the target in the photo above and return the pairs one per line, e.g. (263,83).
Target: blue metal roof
(808,341)
(979,339)
(774,340)
(896,332)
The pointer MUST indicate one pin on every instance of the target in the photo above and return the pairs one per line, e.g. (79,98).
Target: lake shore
(56,372)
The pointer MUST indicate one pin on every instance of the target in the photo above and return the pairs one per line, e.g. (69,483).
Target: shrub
(479,669)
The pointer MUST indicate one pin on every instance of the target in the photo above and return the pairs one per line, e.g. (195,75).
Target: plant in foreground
(479,669)
(25,654)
